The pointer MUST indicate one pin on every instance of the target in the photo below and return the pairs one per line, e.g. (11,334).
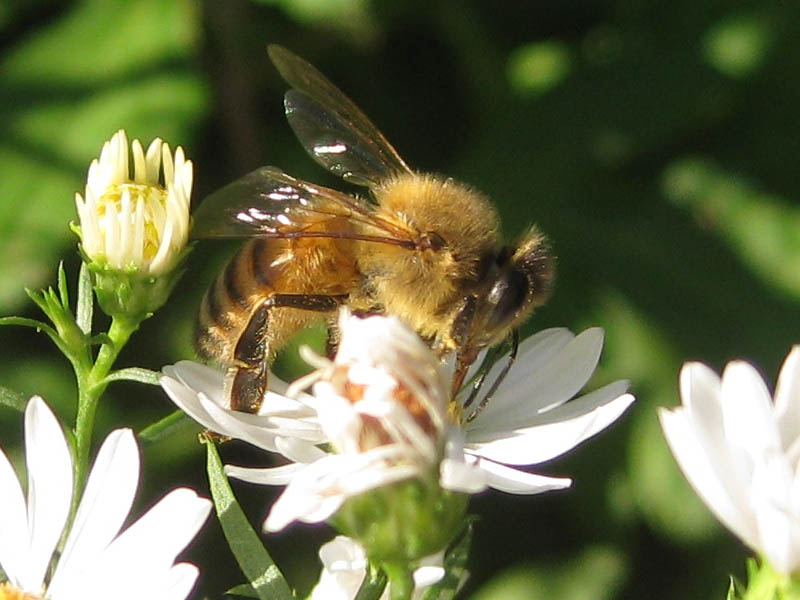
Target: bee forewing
(332,129)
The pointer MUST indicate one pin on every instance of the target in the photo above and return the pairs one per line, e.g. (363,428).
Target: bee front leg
(248,376)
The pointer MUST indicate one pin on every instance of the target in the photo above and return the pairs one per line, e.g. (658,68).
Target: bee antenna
(512,356)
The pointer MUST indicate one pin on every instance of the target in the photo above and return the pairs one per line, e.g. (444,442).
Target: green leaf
(255,562)
(731,590)
(455,565)
(165,428)
(63,291)
(134,374)
(25,322)
(244,589)
(85,304)
(373,585)
(13,399)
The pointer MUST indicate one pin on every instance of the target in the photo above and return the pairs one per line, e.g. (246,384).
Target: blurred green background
(656,143)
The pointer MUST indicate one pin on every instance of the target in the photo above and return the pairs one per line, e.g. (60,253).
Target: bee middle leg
(249,373)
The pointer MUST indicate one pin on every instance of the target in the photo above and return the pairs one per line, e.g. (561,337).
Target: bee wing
(331,128)
(268,202)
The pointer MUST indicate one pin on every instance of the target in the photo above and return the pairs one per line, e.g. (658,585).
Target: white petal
(179,583)
(262,430)
(13,523)
(167,164)
(515,481)
(787,398)
(49,488)
(723,498)
(460,476)
(301,500)
(297,450)
(162,532)
(255,429)
(268,476)
(203,379)
(318,490)
(153,161)
(531,387)
(344,565)
(572,424)
(427,576)
(139,168)
(747,410)
(104,506)
(139,563)
(779,534)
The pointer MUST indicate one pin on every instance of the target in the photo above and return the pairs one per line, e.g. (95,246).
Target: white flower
(284,425)
(344,566)
(97,562)
(133,220)
(533,417)
(741,452)
(382,405)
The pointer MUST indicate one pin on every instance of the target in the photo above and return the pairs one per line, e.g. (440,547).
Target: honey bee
(421,246)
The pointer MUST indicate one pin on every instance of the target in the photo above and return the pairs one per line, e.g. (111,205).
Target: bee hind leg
(247,378)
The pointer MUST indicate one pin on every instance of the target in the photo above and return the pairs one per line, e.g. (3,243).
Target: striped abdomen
(264,267)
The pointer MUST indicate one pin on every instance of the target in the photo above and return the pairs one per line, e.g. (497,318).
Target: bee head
(514,281)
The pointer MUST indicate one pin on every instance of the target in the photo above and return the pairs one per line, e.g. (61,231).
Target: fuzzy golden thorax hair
(422,286)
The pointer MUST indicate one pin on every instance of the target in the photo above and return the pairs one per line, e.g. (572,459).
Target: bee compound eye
(508,295)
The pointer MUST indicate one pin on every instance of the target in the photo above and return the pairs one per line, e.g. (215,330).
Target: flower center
(374,431)
(128,203)
(9,592)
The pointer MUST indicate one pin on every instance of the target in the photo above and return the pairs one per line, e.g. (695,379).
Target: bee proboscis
(421,246)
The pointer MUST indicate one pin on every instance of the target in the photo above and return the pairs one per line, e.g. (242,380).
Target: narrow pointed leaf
(39,300)
(166,427)
(12,399)
(85,303)
(245,590)
(255,562)
(134,374)
(63,291)
(455,566)
(373,585)
(25,322)
(39,326)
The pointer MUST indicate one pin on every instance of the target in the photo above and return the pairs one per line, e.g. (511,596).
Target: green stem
(90,388)
(401,581)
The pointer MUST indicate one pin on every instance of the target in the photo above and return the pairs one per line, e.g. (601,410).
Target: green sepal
(400,523)
(130,293)
(254,560)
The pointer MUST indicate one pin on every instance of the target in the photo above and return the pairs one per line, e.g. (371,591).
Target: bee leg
(248,376)
(512,356)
